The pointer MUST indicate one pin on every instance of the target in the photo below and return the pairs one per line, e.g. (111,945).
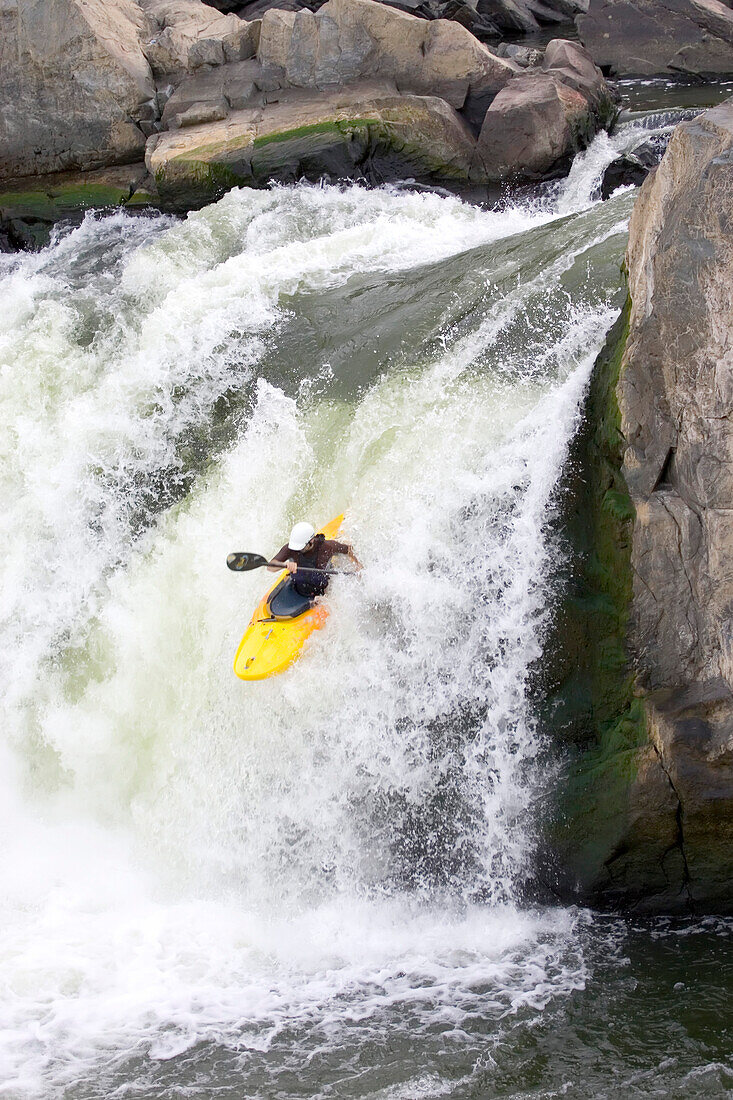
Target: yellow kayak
(270,645)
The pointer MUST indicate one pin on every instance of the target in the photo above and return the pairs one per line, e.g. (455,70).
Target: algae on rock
(614,823)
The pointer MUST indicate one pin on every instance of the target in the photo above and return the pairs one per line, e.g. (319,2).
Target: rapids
(313,885)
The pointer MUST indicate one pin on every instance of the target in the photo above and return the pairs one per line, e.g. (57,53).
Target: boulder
(644,37)
(74,85)
(350,40)
(539,120)
(526,16)
(364,131)
(630,169)
(185,35)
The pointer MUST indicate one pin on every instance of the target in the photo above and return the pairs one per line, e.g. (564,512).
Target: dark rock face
(630,169)
(648,812)
(643,37)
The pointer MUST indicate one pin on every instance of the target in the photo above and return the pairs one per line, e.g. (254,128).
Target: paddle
(242,562)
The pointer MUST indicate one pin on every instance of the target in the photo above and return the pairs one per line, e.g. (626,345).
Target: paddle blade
(241,561)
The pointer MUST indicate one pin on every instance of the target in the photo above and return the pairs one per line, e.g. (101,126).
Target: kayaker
(306,549)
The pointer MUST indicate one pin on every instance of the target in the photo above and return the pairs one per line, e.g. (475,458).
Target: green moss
(595,708)
(338,128)
(68,194)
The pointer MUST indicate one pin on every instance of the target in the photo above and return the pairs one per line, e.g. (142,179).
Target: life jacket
(310,584)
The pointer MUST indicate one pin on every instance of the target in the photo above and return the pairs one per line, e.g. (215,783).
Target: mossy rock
(352,133)
(613,821)
(29,207)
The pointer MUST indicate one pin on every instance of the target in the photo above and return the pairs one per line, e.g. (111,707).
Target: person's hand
(291,566)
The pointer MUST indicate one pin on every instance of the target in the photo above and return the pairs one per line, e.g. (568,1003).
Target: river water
(310,886)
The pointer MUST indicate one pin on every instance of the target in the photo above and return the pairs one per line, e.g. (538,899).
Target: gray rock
(676,400)
(231,86)
(539,120)
(74,83)
(350,40)
(644,37)
(529,57)
(199,113)
(185,35)
(258,8)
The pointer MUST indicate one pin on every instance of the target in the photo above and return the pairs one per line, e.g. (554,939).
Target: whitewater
(320,884)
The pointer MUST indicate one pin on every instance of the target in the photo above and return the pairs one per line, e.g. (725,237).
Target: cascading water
(310,885)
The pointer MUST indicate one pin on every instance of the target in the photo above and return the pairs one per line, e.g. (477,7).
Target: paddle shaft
(308,569)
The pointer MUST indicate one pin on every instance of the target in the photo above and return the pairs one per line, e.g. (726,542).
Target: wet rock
(649,817)
(30,206)
(74,84)
(644,37)
(540,119)
(630,169)
(366,131)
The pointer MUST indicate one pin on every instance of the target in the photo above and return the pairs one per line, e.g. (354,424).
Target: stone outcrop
(630,169)
(86,82)
(649,818)
(30,206)
(185,35)
(365,130)
(74,84)
(351,40)
(643,37)
(542,118)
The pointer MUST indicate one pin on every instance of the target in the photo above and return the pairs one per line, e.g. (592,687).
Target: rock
(464,12)
(258,8)
(539,120)
(630,169)
(350,40)
(74,84)
(364,131)
(527,56)
(185,35)
(199,113)
(226,87)
(30,206)
(658,573)
(526,16)
(644,37)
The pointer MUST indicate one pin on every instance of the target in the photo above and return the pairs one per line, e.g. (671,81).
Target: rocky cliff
(648,816)
(357,89)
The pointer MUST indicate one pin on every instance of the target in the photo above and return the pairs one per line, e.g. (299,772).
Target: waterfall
(280,871)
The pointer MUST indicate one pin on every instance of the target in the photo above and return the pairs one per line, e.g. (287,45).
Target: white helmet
(300,536)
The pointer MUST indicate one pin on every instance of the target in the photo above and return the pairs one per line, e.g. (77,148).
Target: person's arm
(284,562)
(348,550)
